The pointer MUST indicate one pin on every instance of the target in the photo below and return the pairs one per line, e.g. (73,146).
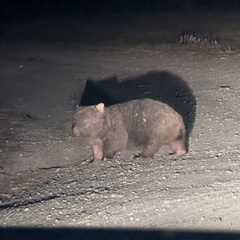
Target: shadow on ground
(162,86)
(107,234)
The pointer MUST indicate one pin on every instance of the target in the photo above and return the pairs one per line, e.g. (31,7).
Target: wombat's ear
(100,107)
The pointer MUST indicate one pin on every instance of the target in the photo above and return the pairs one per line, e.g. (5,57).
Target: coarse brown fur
(143,124)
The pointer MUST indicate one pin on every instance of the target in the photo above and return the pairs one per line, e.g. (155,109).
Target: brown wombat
(143,124)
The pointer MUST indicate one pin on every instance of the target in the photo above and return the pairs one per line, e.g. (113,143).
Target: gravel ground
(45,178)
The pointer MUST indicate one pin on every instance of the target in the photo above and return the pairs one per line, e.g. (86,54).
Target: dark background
(14,10)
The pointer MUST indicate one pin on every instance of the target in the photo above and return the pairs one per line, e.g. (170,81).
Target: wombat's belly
(137,140)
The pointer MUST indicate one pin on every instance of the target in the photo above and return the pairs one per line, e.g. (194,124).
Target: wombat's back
(146,118)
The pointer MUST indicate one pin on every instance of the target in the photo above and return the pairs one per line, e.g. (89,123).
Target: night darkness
(23,10)
(90,11)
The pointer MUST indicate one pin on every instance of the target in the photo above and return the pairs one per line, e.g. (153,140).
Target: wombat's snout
(75,130)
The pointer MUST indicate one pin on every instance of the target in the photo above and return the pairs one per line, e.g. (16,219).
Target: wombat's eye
(86,123)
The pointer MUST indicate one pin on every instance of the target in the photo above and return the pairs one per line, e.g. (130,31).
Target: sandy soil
(45,179)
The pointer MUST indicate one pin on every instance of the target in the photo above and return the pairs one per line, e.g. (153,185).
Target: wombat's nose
(75,130)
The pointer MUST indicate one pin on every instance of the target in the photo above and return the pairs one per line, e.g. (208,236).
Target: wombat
(142,124)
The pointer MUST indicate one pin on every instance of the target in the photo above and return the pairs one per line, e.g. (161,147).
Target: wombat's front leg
(148,151)
(97,152)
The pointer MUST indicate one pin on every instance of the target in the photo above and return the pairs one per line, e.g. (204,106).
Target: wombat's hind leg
(178,147)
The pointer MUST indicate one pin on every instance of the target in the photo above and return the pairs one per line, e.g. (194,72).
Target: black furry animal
(144,124)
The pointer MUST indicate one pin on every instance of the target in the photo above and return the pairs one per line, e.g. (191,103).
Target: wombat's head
(88,121)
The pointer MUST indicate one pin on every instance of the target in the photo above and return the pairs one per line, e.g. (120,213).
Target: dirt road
(45,179)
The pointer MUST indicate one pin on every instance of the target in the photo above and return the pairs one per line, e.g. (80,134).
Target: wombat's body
(143,124)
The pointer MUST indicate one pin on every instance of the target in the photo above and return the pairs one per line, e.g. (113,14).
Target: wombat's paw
(178,153)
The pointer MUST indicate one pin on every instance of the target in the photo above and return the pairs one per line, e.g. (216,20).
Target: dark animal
(144,125)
